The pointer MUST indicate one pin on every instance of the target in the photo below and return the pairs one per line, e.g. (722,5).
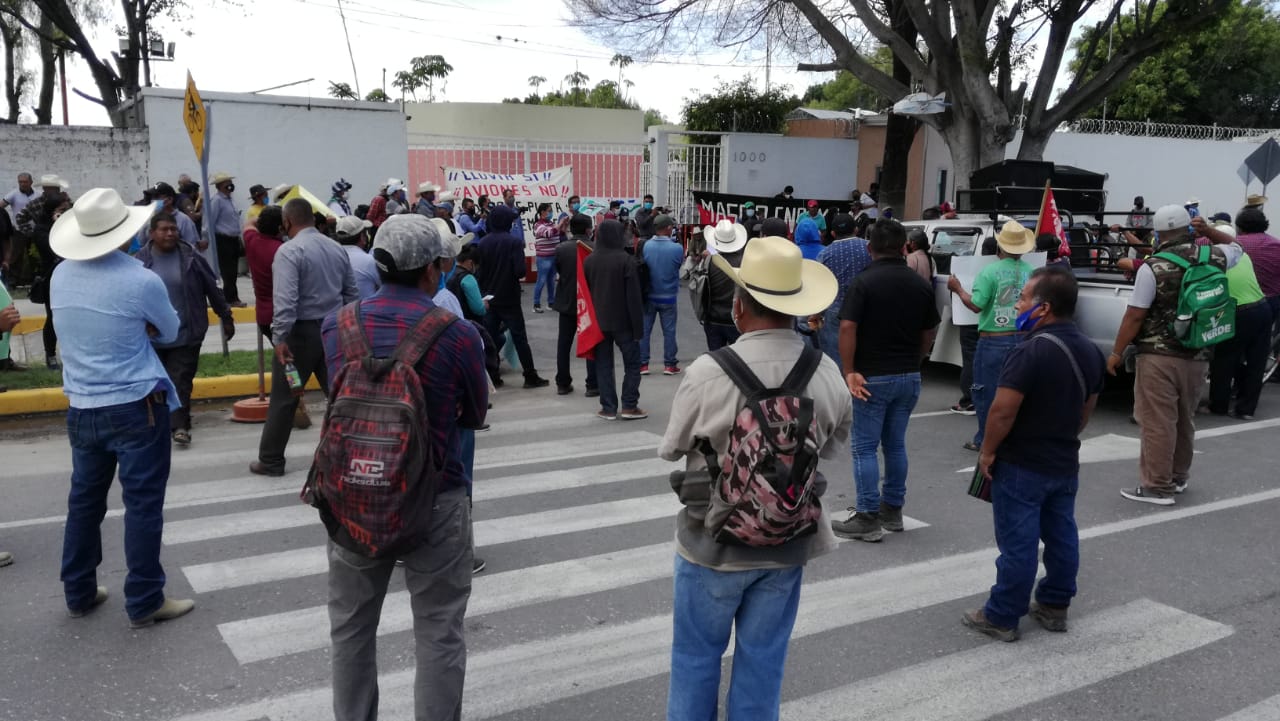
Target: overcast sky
(273,42)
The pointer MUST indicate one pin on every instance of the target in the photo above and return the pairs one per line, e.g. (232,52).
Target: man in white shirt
(14,202)
(353,234)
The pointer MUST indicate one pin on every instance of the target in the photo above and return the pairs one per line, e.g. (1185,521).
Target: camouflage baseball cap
(407,242)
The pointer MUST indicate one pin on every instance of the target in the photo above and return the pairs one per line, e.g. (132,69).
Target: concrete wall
(814,128)
(1162,170)
(756,164)
(526,122)
(272,139)
(86,157)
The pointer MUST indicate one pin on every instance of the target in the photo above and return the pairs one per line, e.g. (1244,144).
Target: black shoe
(592,393)
(564,390)
(51,362)
(7,365)
(536,382)
(477,565)
(891,517)
(257,468)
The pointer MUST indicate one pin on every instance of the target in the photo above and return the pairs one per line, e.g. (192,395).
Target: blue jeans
(630,351)
(988,361)
(1029,507)
(829,336)
(546,279)
(759,607)
(881,421)
(135,437)
(667,312)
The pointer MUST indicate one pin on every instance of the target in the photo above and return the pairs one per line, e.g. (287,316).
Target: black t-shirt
(1045,437)
(892,306)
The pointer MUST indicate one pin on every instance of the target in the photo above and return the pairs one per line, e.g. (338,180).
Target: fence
(689,168)
(1165,130)
(600,170)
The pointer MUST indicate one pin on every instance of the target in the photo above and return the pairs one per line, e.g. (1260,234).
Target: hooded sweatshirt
(809,238)
(502,264)
(614,283)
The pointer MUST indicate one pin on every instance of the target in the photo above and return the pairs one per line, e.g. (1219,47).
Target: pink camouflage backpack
(764,489)
(373,478)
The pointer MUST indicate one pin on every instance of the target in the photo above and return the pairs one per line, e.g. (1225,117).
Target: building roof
(820,114)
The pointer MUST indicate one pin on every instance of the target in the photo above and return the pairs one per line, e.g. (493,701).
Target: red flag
(1051,222)
(589,334)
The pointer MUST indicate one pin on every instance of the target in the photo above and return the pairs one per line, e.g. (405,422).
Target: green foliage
(604,95)
(739,106)
(377,96)
(212,365)
(342,91)
(653,117)
(1228,75)
(846,91)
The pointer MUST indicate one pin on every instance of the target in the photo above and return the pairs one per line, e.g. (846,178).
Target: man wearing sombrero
(108,309)
(721,588)
(995,292)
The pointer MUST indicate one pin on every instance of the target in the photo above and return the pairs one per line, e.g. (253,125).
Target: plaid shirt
(377,211)
(452,372)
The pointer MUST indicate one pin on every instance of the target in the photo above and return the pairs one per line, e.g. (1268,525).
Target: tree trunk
(972,147)
(11,38)
(899,136)
(48,71)
(1033,145)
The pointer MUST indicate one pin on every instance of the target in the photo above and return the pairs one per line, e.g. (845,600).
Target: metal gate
(600,170)
(690,167)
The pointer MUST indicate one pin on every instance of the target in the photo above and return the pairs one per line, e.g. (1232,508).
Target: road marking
(487,533)
(265,637)
(537,672)
(930,414)
(995,679)
(487,489)
(1266,710)
(564,449)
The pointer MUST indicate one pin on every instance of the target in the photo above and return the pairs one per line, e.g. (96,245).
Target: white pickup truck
(1104,291)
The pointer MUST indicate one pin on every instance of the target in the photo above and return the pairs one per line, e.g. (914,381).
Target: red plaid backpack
(763,490)
(372,477)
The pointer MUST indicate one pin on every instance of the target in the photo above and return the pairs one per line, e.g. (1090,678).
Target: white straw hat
(775,273)
(97,224)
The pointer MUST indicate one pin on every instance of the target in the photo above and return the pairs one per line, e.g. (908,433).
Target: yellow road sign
(193,116)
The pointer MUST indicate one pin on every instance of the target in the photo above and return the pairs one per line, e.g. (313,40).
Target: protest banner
(531,190)
(713,207)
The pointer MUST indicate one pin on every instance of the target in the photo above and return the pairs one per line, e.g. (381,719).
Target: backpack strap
(423,336)
(1205,254)
(1075,366)
(742,376)
(797,381)
(1177,260)
(352,342)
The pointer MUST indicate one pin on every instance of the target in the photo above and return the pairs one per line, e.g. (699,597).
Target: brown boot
(301,419)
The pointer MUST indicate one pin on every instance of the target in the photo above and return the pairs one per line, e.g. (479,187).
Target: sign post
(198,119)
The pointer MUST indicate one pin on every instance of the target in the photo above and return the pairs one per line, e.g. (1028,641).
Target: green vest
(1242,283)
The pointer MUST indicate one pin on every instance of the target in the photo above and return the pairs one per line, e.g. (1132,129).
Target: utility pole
(354,75)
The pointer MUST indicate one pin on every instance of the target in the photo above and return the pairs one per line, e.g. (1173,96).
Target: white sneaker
(1180,488)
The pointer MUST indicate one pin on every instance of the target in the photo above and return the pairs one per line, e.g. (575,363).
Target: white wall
(1162,170)
(755,164)
(86,157)
(271,139)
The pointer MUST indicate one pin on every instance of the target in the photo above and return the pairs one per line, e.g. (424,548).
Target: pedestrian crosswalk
(585,508)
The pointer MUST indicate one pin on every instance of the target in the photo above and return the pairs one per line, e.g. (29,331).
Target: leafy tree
(407,82)
(428,69)
(653,117)
(1231,77)
(377,96)
(843,92)
(13,42)
(536,81)
(739,107)
(342,91)
(576,80)
(969,49)
(622,61)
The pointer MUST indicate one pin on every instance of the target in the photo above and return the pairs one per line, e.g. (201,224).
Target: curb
(35,323)
(53,400)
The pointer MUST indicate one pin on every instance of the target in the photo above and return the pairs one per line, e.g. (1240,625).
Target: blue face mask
(1025,322)
(575,206)
(751,212)
(648,206)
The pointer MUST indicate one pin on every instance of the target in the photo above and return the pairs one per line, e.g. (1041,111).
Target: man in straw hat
(34,223)
(223,222)
(412,258)
(995,292)
(107,306)
(885,327)
(427,199)
(752,591)
(726,239)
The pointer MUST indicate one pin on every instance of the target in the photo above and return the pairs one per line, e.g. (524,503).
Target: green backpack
(1206,312)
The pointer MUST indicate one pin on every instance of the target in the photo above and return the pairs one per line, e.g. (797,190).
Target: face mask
(231,188)
(751,212)
(648,206)
(1025,322)
(575,206)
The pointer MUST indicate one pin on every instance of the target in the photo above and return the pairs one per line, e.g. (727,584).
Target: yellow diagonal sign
(193,116)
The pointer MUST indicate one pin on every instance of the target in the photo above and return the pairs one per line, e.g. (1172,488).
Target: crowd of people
(815,336)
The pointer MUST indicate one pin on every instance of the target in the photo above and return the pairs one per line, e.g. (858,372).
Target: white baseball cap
(1170,217)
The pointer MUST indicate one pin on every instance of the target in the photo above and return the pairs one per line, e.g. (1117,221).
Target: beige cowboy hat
(221,178)
(428,187)
(97,224)
(447,196)
(281,190)
(52,181)
(454,241)
(1255,201)
(1016,239)
(776,274)
(725,236)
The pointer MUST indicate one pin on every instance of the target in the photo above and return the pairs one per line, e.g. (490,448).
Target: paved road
(1177,616)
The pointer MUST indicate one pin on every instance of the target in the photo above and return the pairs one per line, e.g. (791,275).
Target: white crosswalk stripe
(1265,710)
(529,672)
